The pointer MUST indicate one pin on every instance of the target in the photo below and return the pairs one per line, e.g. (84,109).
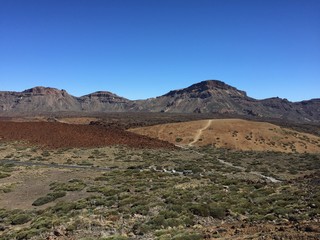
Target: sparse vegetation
(161,194)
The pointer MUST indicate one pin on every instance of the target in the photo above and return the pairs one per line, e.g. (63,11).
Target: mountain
(203,97)
(211,96)
(103,101)
(38,99)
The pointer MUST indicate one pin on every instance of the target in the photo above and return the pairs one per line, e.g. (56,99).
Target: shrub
(206,210)
(20,219)
(217,211)
(4,175)
(115,238)
(200,210)
(72,185)
(64,207)
(27,234)
(49,198)
(187,236)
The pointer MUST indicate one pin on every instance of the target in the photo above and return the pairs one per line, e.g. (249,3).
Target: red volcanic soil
(60,135)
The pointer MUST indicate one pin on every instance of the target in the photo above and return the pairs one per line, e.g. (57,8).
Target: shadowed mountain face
(209,96)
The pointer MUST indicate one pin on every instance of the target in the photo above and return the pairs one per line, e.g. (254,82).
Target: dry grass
(234,134)
(31,183)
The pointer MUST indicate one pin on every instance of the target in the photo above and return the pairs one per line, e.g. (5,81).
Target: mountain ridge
(209,96)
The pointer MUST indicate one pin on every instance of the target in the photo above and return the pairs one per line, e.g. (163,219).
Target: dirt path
(199,132)
(271,179)
(52,165)
(196,139)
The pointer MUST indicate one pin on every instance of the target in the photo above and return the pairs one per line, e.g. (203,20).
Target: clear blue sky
(144,48)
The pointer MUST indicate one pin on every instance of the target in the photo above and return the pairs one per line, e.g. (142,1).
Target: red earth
(59,135)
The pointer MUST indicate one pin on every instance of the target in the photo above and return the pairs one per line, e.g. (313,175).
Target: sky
(145,48)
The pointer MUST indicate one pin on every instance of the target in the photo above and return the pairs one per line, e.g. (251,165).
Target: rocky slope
(211,96)
(203,97)
(218,97)
(38,99)
(103,101)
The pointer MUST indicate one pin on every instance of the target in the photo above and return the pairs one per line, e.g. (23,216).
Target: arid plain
(101,178)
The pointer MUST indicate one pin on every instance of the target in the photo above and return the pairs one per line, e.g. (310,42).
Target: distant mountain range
(211,96)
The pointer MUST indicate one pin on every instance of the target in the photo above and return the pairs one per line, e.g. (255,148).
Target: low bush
(20,219)
(49,198)
(206,210)
(4,175)
(72,185)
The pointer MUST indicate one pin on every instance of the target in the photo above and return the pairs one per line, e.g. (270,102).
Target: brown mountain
(103,101)
(203,97)
(214,96)
(38,99)
(211,96)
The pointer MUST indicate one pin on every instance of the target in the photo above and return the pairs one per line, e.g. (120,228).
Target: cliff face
(211,96)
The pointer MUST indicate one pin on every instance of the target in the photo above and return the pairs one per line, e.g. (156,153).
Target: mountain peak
(104,95)
(44,90)
(209,96)
(210,84)
(208,88)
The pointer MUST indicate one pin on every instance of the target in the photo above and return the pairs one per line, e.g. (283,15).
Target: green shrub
(20,219)
(217,211)
(4,175)
(206,210)
(27,234)
(200,210)
(42,222)
(72,185)
(64,207)
(115,238)
(188,236)
(49,198)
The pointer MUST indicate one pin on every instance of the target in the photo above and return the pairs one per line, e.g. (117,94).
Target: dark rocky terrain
(59,135)
(210,96)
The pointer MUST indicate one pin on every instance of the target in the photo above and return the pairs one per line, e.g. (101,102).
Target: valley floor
(210,179)
(117,192)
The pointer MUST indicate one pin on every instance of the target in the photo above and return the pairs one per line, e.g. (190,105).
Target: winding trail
(196,139)
(51,165)
(199,132)
(271,179)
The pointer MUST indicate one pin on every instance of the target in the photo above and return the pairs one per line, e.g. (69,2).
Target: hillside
(38,99)
(234,134)
(214,96)
(211,96)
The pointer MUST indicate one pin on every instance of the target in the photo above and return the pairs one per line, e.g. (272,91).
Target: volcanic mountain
(37,100)
(203,97)
(211,96)
(103,101)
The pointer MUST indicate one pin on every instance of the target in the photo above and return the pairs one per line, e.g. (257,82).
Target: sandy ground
(28,184)
(234,134)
